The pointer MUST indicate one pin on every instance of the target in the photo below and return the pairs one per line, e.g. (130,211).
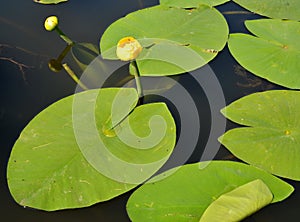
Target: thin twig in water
(23,50)
(21,66)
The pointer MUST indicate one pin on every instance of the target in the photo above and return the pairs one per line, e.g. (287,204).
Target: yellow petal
(128,48)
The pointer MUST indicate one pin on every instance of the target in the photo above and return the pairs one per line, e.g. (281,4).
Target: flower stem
(73,76)
(64,52)
(136,73)
(63,36)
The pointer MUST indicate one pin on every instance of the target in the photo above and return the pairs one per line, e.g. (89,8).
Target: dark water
(26,92)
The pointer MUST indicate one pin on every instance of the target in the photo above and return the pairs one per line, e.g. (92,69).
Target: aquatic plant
(100,143)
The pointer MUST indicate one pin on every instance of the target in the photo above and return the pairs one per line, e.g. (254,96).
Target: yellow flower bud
(128,48)
(51,23)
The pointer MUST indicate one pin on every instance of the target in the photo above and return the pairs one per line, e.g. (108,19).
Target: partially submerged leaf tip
(239,203)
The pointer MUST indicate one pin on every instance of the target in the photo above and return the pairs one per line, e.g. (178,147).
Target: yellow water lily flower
(128,48)
(51,23)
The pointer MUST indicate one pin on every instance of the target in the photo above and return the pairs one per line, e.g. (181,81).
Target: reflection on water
(27,86)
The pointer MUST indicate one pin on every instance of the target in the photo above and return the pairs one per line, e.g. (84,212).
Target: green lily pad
(239,203)
(271,140)
(50,168)
(191,3)
(273,54)
(174,40)
(283,9)
(184,193)
(49,1)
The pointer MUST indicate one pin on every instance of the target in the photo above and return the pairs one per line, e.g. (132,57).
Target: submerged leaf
(174,40)
(238,203)
(182,194)
(55,162)
(191,3)
(84,54)
(283,9)
(274,54)
(271,141)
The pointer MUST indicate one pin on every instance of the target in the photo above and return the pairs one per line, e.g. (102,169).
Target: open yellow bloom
(128,48)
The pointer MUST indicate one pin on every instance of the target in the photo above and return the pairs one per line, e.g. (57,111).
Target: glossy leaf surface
(273,53)
(55,162)
(271,140)
(191,3)
(238,203)
(174,40)
(184,193)
(283,9)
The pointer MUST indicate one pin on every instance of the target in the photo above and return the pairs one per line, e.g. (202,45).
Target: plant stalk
(63,36)
(73,76)
(136,74)
(139,88)
(64,52)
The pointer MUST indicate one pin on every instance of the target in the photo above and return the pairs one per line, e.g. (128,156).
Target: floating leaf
(49,1)
(283,9)
(183,194)
(271,142)
(50,166)
(274,54)
(174,40)
(191,3)
(238,203)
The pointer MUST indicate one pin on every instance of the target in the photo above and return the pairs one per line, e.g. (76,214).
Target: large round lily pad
(191,3)
(175,40)
(273,53)
(271,141)
(48,168)
(183,194)
(283,9)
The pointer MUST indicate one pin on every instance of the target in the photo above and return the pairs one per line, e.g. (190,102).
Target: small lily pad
(183,194)
(271,139)
(273,53)
(53,164)
(49,1)
(283,9)
(239,203)
(191,3)
(174,40)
